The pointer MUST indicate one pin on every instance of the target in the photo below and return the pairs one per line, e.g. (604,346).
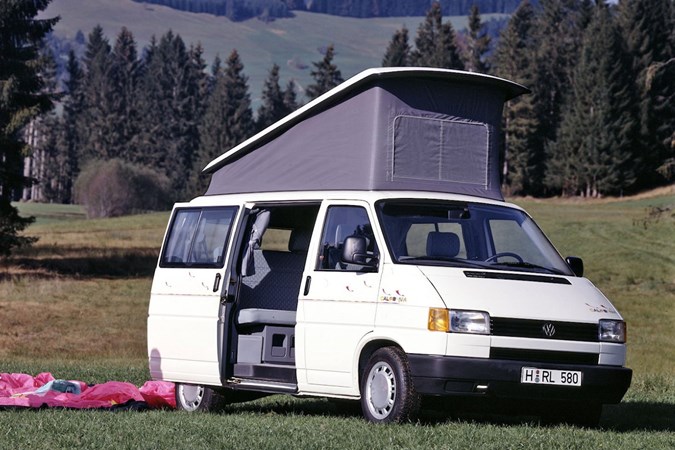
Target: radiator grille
(544,329)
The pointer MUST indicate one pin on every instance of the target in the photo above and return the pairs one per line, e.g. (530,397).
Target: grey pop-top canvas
(416,129)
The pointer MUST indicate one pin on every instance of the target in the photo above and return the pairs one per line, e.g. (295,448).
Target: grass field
(291,43)
(75,305)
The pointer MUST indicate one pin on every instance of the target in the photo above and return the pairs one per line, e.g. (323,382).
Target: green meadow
(75,304)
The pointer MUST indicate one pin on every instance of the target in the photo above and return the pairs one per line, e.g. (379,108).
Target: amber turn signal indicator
(439,319)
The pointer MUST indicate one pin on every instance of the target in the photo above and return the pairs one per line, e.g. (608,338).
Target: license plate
(532,375)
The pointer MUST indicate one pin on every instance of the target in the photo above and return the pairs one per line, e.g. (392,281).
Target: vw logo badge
(548,329)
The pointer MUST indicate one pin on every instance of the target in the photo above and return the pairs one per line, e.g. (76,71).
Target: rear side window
(197,237)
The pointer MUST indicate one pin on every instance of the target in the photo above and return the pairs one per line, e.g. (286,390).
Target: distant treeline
(270,9)
(399,8)
(233,9)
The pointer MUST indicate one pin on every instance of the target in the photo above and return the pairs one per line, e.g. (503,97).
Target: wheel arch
(367,349)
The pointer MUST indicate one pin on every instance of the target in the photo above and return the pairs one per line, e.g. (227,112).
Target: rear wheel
(387,391)
(195,397)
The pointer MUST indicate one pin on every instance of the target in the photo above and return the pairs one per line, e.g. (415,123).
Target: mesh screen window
(440,150)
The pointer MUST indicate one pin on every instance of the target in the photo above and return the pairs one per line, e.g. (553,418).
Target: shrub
(115,188)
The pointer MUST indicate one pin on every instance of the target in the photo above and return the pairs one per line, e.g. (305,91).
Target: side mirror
(576,264)
(354,251)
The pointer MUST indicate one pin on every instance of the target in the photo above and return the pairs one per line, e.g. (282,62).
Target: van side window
(342,222)
(197,237)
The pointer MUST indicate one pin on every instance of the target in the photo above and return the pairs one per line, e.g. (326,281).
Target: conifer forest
(129,129)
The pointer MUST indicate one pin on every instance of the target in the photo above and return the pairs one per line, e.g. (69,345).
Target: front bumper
(450,375)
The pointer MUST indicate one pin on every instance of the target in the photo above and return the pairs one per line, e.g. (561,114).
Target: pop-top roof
(418,129)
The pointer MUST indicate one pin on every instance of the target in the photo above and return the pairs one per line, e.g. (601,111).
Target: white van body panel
(578,301)
(403,310)
(172,332)
(333,318)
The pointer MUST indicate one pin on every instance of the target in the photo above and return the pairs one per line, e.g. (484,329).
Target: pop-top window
(198,237)
(436,150)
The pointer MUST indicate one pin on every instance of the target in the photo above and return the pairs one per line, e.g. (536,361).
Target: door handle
(308,282)
(216,283)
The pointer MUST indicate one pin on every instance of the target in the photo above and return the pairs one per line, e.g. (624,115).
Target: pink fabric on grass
(18,389)
(159,394)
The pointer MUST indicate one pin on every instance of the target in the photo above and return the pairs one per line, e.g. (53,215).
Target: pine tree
(97,122)
(478,43)
(21,99)
(239,122)
(216,67)
(648,26)
(174,88)
(64,165)
(557,43)
(326,75)
(273,106)
(398,51)
(290,100)
(126,75)
(593,153)
(523,160)
(228,119)
(435,44)
(659,85)
(197,89)
(154,135)
(586,10)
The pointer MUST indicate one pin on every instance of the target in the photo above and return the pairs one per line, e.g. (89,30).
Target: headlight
(612,331)
(476,322)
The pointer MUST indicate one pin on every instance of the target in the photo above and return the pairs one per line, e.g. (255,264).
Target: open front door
(186,320)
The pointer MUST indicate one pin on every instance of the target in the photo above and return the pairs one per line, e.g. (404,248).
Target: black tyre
(387,391)
(195,397)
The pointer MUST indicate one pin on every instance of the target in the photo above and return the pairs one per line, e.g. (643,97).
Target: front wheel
(387,391)
(195,397)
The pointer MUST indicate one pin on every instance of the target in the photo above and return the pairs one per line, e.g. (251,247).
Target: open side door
(268,261)
(187,319)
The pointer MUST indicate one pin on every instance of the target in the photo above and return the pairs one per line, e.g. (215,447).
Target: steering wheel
(496,256)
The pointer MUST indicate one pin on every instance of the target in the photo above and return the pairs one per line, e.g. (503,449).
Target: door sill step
(262,385)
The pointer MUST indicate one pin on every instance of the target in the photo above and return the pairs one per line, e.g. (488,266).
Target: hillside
(291,43)
(271,9)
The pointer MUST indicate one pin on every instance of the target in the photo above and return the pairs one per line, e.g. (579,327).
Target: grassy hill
(291,43)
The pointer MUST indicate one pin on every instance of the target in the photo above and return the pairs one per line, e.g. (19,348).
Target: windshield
(426,232)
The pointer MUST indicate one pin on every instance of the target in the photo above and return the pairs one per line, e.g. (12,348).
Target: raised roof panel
(390,129)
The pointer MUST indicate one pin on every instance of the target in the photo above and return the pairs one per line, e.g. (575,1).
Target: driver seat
(442,244)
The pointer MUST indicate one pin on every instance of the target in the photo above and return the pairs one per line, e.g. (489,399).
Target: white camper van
(360,249)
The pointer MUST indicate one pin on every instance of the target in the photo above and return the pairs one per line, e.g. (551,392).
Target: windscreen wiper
(529,265)
(450,259)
